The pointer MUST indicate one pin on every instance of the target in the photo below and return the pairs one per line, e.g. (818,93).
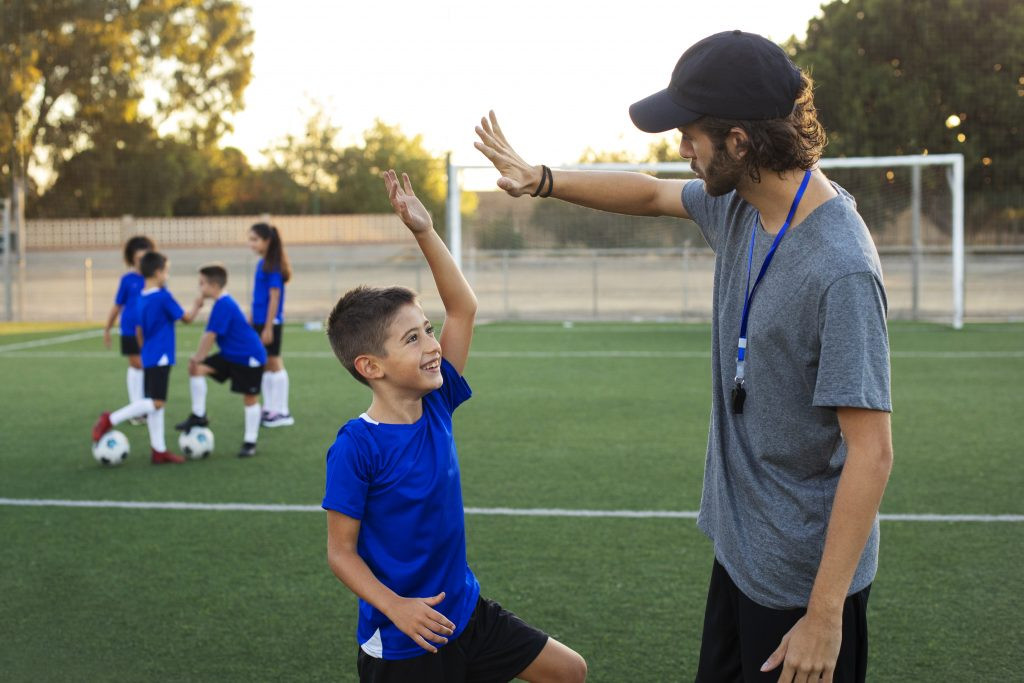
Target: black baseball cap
(730,75)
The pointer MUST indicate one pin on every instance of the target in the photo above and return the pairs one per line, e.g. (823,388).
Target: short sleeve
(123,291)
(698,204)
(853,368)
(455,389)
(348,476)
(173,308)
(274,279)
(218,322)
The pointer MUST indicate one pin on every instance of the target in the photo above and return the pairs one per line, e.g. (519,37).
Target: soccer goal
(549,259)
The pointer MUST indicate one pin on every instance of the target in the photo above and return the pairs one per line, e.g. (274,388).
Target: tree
(926,76)
(311,159)
(71,68)
(359,169)
(127,170)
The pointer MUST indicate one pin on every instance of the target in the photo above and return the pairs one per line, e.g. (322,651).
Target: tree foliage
(72,68)
(925,76)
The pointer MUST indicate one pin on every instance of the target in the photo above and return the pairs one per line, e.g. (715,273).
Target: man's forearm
(856,504)
(623,192)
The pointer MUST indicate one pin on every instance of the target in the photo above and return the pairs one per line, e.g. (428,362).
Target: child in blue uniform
(128,291)
(156,313)
(267,318)
(241,358)
(395,522)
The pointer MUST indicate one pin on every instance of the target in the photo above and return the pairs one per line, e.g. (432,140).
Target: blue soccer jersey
(261,295)
(127,293)
(238,342)
(157,312)
(402,482)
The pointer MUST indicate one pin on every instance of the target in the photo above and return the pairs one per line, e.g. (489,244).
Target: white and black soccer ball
(196,443)
(111,449)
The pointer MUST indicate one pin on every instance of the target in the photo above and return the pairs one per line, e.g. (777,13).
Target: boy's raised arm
(456,294)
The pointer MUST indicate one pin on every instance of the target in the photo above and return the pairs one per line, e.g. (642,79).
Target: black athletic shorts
(155,381)
(739,635)
(244,380)
(274,347)
(130,345)
(496,645)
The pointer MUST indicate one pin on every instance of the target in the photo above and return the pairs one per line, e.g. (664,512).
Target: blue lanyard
(741,351)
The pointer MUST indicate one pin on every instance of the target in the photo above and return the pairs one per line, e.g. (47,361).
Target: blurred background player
(241,358)
(128,291)
(156,313)
(267,317)
(395,523)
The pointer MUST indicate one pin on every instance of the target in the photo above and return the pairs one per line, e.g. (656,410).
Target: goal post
(913,205)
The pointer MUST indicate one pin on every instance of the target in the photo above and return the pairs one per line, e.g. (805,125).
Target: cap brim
(659,113)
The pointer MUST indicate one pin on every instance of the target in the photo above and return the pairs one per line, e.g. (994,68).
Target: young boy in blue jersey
(156,313)
(241,358)
(128,291)
(395,522)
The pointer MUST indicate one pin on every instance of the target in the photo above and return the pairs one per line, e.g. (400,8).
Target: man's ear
(369,367)
(737,143)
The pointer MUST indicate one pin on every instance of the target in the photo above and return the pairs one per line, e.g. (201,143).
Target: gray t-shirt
(816,340)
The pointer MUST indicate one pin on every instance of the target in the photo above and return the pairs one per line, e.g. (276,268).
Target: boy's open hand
(406,205)
(416,618)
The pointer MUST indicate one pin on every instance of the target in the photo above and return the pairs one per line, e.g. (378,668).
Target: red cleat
(101,427)
(158,458)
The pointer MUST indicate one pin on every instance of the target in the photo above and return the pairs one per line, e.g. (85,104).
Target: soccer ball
(111,449)
(196,443)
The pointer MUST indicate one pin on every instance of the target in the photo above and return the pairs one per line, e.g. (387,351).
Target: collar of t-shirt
(147,292)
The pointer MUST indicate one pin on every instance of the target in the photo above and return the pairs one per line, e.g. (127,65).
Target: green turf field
(596,416)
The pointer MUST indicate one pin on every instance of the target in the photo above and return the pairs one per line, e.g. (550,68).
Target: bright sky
(560,74)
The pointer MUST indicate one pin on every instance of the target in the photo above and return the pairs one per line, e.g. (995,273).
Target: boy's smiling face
(413,354)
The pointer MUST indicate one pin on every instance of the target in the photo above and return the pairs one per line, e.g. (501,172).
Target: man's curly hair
(793,142)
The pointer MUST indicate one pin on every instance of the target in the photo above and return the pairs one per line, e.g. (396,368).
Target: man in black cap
(799,446)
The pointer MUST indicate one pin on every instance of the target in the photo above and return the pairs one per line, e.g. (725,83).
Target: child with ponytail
(267,318)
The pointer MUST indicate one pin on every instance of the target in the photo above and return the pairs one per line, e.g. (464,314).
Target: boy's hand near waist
(416,618)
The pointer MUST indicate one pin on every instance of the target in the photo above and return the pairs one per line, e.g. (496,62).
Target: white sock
(252,422)
(156,430)
(267,389)
(134,409)
(135,380)
(197,386)
(281,392)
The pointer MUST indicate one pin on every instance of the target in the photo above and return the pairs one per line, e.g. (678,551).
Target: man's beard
(723,173)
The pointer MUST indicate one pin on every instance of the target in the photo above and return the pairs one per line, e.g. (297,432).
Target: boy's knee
(158,404)
(576,669)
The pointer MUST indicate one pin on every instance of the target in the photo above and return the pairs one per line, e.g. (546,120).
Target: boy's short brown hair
(359,323)
(152,262)
(215,273)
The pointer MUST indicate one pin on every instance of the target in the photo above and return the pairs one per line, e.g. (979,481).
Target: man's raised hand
(517,176)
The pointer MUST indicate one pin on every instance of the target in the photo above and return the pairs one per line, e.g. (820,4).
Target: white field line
(50,341)
(500,512)
(945,355)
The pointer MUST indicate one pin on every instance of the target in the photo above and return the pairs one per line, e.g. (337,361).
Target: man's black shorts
(496,645)
(244,380)
(130,345)
(274,347)
(155,381)
(739,635)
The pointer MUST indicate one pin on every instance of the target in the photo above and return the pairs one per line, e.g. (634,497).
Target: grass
(154,595)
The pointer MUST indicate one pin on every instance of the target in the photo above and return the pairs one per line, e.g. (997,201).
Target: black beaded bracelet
(551,183)
(544,173)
